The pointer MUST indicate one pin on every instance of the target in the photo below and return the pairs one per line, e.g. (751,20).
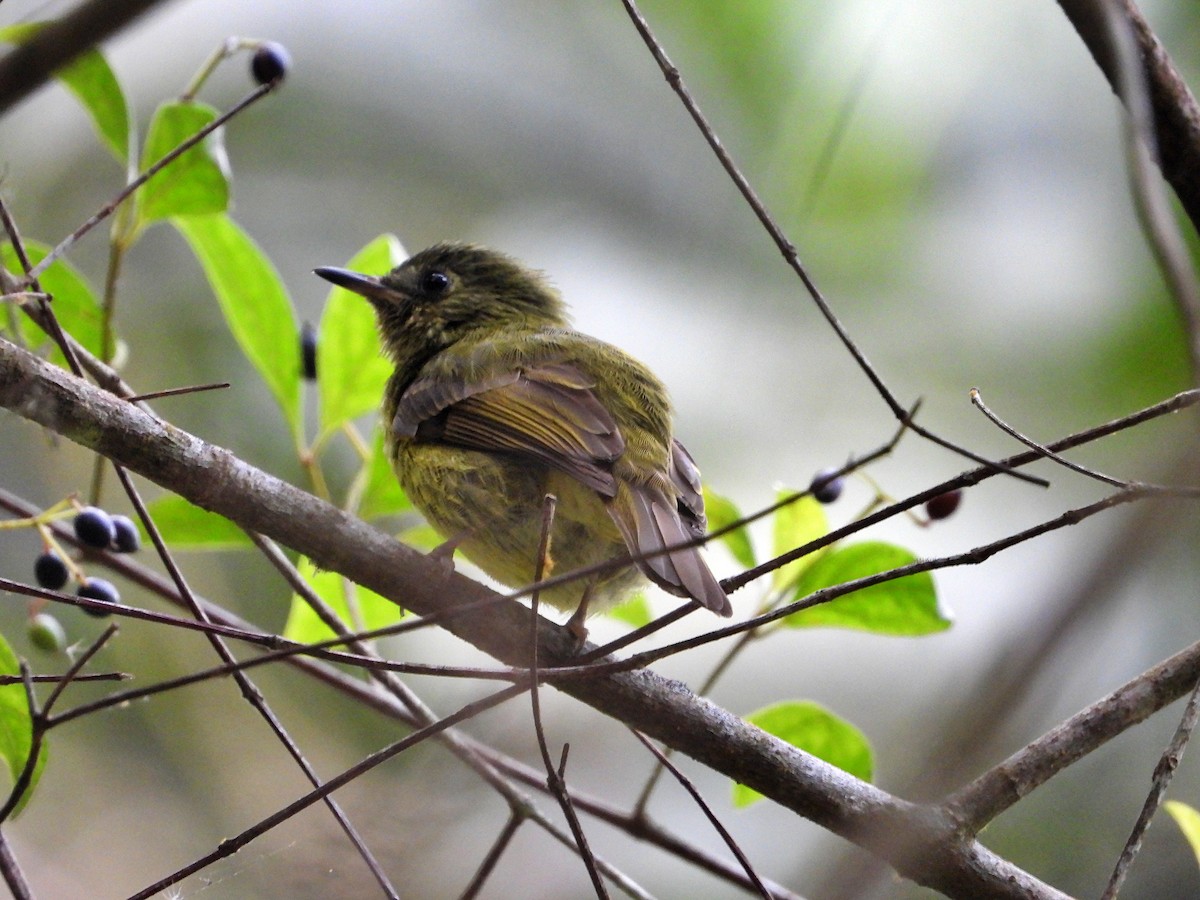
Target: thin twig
(229,846)
(11,871)
(977,400)
(248,689)
(786,248)
(499,845)
(687,785)
(1163,773)
(175,392)
(554,778)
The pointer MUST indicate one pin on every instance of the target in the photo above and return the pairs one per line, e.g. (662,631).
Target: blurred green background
(951,173)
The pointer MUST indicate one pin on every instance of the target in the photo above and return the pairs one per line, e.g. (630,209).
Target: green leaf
(721,511)
(74,304)
(796,524)
(185,526)
(635,611)
(1188,820)
(255,303)
(904,606)
(352,370)
(813,729)
(16,726)
(358,608)
(197,182)
(90,78)
(382,495)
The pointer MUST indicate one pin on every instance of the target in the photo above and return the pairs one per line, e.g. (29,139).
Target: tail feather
(650,521)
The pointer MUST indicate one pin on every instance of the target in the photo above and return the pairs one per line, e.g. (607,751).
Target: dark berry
(308,351)
(126,539)
(943,505)
(826,488)
(50,571)
(46,633)
(98,589)
(94,527)
(270,63)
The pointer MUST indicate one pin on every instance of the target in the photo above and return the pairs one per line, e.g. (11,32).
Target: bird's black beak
(368,286)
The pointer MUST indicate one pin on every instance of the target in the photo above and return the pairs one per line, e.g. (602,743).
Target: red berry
(943,505)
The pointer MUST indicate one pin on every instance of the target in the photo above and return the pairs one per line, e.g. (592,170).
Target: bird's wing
(548,412)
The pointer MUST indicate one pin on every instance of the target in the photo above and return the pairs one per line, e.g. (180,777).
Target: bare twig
(687,785)
(1163,773)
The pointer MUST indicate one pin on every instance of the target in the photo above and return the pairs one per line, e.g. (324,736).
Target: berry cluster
(94,528)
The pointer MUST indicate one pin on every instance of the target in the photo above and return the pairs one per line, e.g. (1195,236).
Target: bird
(496,402)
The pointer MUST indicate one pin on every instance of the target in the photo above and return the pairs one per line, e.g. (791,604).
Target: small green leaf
(796,524)
(90,78)
(353,370)
(721,511)
(16,726)
(197,182)
(904,606)
(358,608)
(74,304)
(185,526)
(255,303)
(382,495)
(1188,820)
(635,611)
(815,730)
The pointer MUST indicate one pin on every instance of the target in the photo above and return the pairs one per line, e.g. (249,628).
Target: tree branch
(215,479)
(1176,114)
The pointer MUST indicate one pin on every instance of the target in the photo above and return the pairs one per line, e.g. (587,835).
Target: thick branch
(1176,114)
(666,710)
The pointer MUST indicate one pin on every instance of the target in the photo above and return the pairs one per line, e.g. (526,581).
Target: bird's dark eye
(435,282)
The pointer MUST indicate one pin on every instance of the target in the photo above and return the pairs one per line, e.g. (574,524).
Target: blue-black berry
(125,539)
(94,527)
(308,351)
(826,489)
(98,589)
(270,63)
(46,633)
(50,571)
(943,505)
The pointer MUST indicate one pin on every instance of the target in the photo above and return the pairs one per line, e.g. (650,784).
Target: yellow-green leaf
(256,305)
(197,182)
(796,524)
(1188,819)
(813,729)
(16,726)
(93,82)
(903,606)
(721,512)
(185,526)
(358,609)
